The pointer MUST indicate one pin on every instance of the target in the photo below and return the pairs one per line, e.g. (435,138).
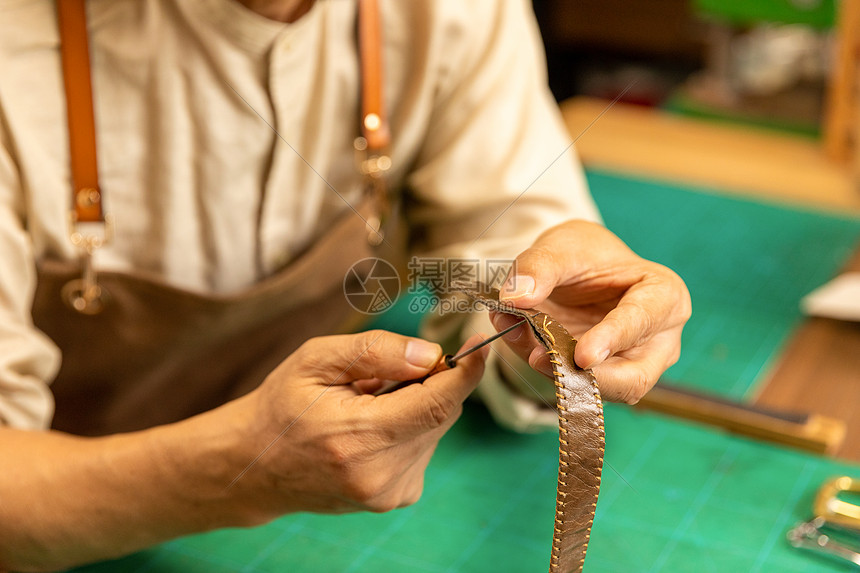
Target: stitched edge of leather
(566,408)
(540,324)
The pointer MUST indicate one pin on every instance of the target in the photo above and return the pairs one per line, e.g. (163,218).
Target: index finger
(648,307)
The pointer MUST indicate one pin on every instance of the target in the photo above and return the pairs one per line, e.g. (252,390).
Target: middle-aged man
(204,393)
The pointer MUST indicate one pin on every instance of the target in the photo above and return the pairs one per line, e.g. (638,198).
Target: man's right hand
(306,440)
(318,444)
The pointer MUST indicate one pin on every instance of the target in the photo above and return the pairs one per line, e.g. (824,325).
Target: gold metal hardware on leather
(372,159)
(85,295)
(374,165)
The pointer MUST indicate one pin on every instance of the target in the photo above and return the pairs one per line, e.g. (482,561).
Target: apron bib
(151,353)
(158,354)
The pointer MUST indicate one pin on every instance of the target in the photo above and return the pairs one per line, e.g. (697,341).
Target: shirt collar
(246,28)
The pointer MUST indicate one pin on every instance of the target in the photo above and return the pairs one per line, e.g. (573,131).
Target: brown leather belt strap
(580,427)
(74,47)
(374,121)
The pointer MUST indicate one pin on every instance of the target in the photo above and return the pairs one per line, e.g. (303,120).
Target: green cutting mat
(690,499)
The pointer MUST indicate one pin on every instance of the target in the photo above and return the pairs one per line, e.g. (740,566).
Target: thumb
(436,402)
(533,276)
(574,252)
(372,354)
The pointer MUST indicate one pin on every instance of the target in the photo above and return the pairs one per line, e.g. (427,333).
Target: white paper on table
(839,298)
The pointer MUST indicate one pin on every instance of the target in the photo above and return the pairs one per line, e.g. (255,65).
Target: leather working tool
(581,432)
(835,529)
(813,432)
(448,361)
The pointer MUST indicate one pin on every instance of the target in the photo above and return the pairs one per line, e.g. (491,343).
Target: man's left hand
(626,312)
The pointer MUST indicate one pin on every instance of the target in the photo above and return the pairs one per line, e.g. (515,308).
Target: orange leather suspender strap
(372,147)
(374,121)
(90,229)
(74,47)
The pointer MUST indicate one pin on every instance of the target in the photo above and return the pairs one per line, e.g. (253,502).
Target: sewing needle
(451,361)
(448,361)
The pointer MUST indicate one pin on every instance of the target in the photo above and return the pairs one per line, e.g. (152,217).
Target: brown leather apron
(157,354)
(143,352)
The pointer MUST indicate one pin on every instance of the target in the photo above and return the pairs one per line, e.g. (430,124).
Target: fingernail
(422,353)
(517,286)
(502,321)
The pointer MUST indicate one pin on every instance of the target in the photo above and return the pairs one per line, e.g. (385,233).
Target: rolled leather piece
(580,426)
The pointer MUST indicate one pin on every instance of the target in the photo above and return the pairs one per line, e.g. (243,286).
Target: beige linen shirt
(225,145)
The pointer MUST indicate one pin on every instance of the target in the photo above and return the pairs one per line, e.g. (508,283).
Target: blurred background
(774,65)
(730,154)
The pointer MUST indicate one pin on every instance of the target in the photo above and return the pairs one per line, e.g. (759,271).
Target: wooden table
(819,372)
(728,158)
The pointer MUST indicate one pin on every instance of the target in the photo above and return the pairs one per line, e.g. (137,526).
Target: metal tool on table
(835,529)
(448,361)
(811,432)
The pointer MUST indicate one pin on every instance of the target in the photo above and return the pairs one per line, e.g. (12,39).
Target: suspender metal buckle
(374,165)
(84,294)
(371,149)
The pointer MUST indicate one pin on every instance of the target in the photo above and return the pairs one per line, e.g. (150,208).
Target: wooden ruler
(811,432)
